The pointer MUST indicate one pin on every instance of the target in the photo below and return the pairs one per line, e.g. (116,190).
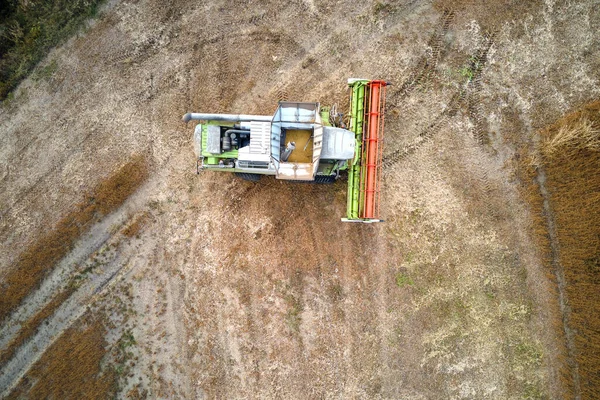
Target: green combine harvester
(300,142)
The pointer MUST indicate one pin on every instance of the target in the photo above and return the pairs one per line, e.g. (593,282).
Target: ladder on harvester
(367,103)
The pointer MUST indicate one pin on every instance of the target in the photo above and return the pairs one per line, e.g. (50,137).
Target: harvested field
(207,286)
(37,261)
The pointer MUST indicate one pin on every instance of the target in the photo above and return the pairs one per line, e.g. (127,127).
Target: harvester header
(300,143)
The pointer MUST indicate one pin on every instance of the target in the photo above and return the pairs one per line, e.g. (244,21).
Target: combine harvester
(299,143)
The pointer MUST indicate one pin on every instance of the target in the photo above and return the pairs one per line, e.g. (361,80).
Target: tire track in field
(425,68)
(93,265)
(477,63)
(247,194)
(468,95)
(97,280)
(308,219)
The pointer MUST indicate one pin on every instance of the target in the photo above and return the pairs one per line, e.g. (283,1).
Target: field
(117,260)
(570,155)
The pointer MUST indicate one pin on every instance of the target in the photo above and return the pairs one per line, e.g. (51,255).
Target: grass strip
(29,29)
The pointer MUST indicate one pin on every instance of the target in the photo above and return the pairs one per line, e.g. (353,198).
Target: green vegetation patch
(29,29)
(402,279)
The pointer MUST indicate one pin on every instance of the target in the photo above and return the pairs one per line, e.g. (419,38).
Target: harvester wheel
(249,177)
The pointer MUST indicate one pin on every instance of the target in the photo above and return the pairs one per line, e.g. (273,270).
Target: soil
(257,290)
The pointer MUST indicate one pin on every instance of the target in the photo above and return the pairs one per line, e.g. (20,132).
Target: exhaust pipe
(226,117)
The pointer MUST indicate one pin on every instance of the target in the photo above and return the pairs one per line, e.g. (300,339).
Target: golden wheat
(72,367)
(570,138)
(571,157)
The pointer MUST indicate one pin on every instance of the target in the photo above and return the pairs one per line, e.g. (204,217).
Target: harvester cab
(299,143)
